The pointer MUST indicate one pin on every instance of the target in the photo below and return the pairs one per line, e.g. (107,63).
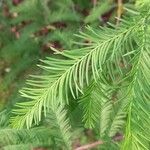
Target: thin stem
(91,145)
(119,10)
(95,144)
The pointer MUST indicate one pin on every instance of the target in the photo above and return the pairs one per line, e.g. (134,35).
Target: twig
(94,2)
(88,146)
(119,10)
(92,145)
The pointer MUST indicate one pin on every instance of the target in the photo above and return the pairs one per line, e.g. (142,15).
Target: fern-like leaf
(137,131)
(71,71)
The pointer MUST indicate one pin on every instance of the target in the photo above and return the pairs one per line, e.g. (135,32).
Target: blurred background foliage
(28,28)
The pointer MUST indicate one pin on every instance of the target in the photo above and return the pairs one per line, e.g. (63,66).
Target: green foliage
(21,138)
(104,79)
(98,11)
(24,37)
(74,71)
(58,119)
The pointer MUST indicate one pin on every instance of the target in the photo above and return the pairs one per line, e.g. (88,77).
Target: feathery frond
(57,119)
(25,138)
(137,131)
(108,73)
(91,103)
(71,70)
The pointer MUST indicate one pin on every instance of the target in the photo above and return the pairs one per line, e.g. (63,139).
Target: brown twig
(88,146)
(118,137)
(94,2)
(119,10)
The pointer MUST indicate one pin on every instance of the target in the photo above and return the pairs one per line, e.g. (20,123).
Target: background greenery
(29,28)
(33,29)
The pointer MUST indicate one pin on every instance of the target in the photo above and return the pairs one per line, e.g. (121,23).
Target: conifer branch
(76,69)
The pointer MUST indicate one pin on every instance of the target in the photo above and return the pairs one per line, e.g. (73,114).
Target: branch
(119,10)
(92,145)
(94,2)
